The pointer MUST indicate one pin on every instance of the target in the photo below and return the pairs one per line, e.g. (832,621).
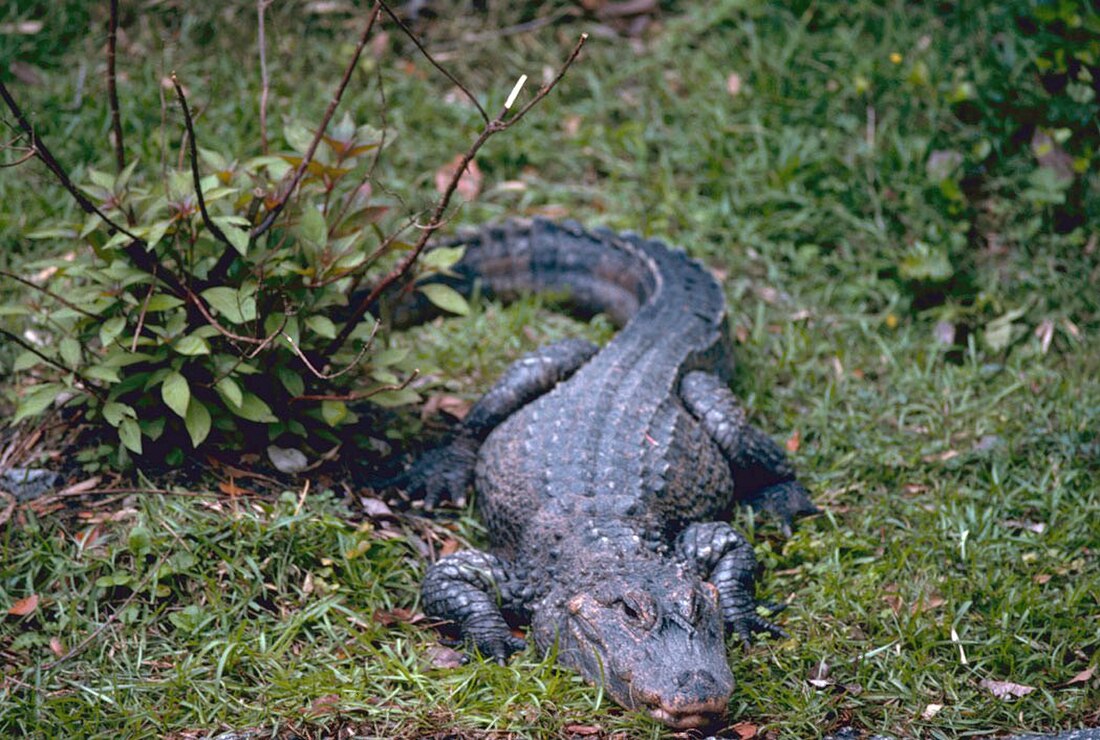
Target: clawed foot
(750,623)
(442,474)
(788,501)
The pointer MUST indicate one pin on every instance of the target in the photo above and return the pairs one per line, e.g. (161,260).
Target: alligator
(606,477)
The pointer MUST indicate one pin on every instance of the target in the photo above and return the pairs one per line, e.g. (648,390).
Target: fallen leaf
(1005,690)
(81,487)
(944,333)
(288,460)
(1083,677)
(441,402)
(1052,156)
(469,183)
(24,606)
(440,656)
(1042,578)
(327,704)
(794,441)
(450,547)
(745,730)
(398,615)
(307,584)
(931,711)
(375,508)
(733,84)
(571,125)
(583,730)
(56,647)
(230,488)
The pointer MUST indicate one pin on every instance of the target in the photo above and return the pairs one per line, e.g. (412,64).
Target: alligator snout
(699,700)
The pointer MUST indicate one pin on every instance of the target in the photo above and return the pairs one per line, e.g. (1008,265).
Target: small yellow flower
(891,321)
(895,57)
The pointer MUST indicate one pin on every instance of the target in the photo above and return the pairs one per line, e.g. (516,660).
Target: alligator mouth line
(687,718)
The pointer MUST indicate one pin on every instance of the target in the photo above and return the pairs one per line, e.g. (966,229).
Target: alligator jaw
(693,716)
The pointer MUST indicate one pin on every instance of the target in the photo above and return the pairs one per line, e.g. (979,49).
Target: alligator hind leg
(447,472)
(466,590)
(762,475)
(725,559)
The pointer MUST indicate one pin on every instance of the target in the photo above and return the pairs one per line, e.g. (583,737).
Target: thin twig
(112,87)
(498,124)
(273,214)
(142,315)
(359,395)
(331,376)
(202,309)
(35,351)
(136,248)
(261,9)
(412,36)
(30,284)
(212,227)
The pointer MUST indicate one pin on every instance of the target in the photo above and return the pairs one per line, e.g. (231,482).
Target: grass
(960,479)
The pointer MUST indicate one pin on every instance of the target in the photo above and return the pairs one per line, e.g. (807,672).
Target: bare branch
(408,32)
(359,395)
(331,376)
(51,294)
(215,231)
(136,248)
(112,88)
(495,126)
(273,214)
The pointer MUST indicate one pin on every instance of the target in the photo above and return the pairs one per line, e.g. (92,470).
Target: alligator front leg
(466,590)
(447,472)
(725,559)
(762,475)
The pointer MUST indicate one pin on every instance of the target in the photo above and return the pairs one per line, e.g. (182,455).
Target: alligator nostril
(700,682)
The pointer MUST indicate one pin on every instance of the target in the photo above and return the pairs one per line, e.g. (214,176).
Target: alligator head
(652,637)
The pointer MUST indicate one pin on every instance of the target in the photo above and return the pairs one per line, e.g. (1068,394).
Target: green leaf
(334,412)
(36,401)
(237,306)
(442,258)
(163,302)
(102,372)
(192,345)
(69,350)
(252,408)
(228,389)
(291,380)
(237,237)
(197,422)
(312,230)
(446,298)
(114,412)
(14,310)
(322,326)
(140,540)
(111,329)
(129,433)
(176,393)
(25,361)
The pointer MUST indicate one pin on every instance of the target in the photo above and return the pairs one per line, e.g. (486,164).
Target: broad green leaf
(197,422)
(176,393)
(55,232)
(442,258)
(110,329)
(298,137)
(25,361)
(322,325)
(69,349)
(163,302)
(156,232)
(192,345)
(102,179)
(291,380)
(114,412)
(129,433)
(14,310)
(140,540)
(237,236)
(102,372)
(446,298)
(36,401)
(228,389)
(334,412)
(253,408)
(312,230)
(236,306)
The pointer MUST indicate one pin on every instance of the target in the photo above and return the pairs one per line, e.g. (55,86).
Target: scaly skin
(605,478)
